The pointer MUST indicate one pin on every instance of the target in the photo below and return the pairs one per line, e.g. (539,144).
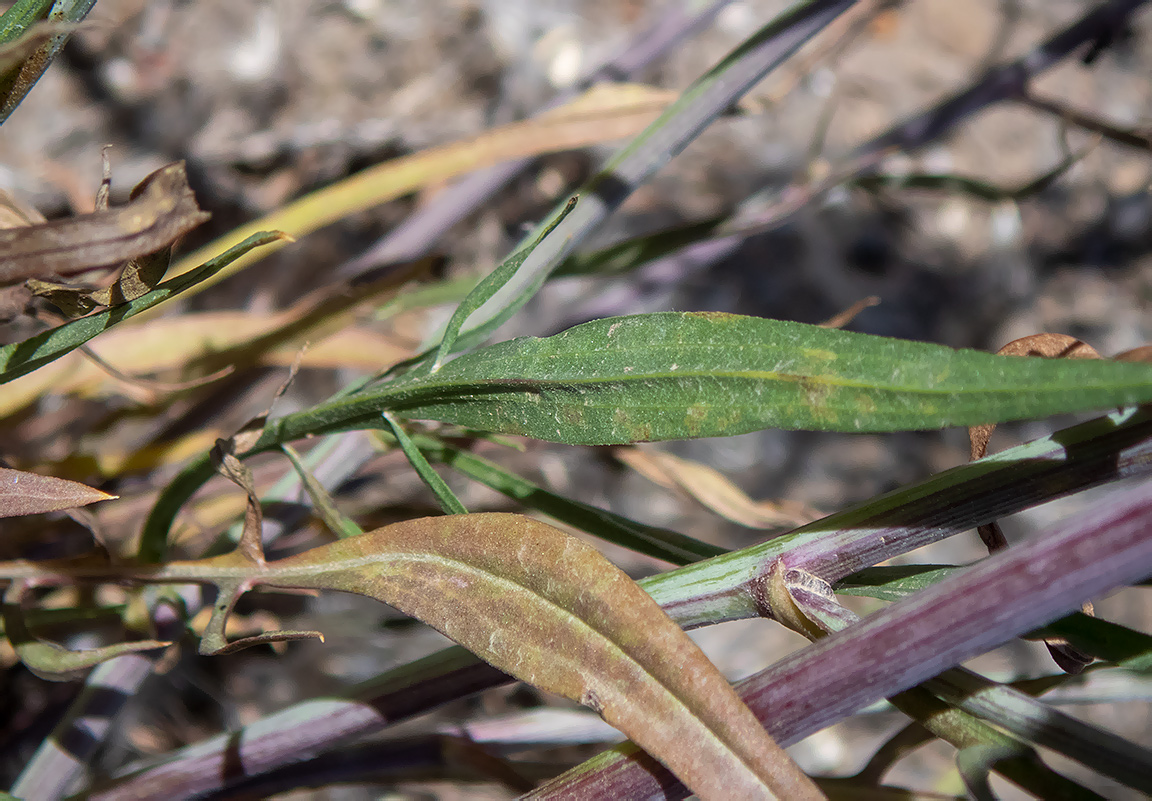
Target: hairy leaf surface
(553,611)
(673,376)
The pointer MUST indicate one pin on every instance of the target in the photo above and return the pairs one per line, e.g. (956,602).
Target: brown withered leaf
(161,210)
(552,611)
(24,493)
(138,278)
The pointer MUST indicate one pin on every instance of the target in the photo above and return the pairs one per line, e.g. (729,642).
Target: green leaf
(21,16)
(893,582)
(977,761)
(13,53)
(48,660)
(676,376)
(488,287)
(322,501)
(1103,639)
(444,494)
(659,543)
(15,84)
(629,254)
(20,358)
(554,612)
(1032,721)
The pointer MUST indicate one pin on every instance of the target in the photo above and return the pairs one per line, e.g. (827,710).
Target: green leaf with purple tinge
(554,612)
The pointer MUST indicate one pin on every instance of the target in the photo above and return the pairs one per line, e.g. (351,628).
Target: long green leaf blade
(15,84)
(676,376)
(444,494)
(21,16)
(696,108)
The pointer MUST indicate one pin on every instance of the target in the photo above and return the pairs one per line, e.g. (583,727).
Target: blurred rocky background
(269,99)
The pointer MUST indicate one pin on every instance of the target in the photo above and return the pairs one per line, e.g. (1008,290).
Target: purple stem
(1073,459)
(1008,594)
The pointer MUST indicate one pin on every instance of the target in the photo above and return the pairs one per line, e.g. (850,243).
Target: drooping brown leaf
(248,554)
(554,612)
(161,210)
(24,493)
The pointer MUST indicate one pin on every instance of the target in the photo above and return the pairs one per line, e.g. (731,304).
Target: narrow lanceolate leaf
(22,15)
(16,83)
(893,582)
(24,493)
(675,376)
(48,660)
(20,358)
(444,494)
(553,611)
(488,287)
(659,543)
(322,501)
(162,209)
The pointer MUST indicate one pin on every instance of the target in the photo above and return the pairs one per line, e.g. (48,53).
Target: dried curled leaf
(553,611)
(138,278)
(24,493)
(162,209)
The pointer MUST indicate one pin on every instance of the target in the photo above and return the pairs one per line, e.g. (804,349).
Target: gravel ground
(267,100)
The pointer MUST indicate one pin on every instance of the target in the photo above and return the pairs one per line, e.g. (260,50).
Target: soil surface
(266,101)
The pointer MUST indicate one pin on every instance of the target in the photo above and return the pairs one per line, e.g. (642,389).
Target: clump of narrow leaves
(526,600)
